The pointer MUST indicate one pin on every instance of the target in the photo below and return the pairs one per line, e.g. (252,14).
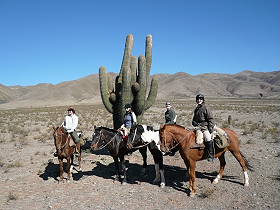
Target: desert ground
(29,172)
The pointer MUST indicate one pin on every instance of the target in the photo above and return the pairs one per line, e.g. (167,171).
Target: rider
(170,118)
(170,115)
(70,124)
(129,120)
(203,119)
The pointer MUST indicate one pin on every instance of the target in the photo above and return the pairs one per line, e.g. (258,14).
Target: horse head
(60,138)
(166,138)
(97,137)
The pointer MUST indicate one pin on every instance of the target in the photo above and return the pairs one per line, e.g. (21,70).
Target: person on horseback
(170,115)
(129,121)
(203,121)
(70,124)
(170,118)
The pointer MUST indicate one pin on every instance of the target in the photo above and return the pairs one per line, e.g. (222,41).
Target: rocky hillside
(179,85)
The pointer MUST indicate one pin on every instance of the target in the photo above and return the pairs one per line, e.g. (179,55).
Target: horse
(65,151)
(143,135)
(117,146)
(176,135)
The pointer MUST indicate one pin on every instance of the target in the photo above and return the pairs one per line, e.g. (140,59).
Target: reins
(67,139)
(137,147)
(107,142)
(169,149)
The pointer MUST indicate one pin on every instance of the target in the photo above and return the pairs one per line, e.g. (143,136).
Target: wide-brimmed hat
(71,109)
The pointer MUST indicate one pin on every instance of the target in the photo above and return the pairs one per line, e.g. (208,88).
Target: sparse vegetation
(12,196)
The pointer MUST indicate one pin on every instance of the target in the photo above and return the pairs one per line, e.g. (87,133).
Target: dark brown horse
(65,151)
(173,135)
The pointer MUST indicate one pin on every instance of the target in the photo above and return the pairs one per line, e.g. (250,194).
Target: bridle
(173,137)
(100,135)
(60,135)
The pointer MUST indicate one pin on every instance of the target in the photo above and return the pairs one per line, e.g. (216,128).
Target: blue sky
(51,41)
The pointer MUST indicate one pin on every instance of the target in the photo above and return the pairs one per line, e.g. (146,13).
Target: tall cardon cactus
(131,85)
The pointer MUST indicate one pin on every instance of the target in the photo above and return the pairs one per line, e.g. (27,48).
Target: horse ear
(54,128)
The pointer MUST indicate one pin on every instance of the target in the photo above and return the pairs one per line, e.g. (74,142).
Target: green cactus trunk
(130,85)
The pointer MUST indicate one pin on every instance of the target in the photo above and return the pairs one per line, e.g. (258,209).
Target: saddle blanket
(219,137)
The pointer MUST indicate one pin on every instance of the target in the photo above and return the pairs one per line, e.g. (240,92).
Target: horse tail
(248,165)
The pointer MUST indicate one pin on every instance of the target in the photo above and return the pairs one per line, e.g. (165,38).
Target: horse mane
(108,129)
(174,125)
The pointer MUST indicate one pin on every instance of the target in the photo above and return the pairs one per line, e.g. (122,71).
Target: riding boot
(210,150)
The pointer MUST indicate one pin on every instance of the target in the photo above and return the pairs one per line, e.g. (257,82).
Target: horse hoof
(155,181)
(215,181)
(246,184)
(162,185)
(192,194)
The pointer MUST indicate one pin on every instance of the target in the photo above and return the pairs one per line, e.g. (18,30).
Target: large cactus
(131,84)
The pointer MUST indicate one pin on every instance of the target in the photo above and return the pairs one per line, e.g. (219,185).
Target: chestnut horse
(65,151)
(176,135)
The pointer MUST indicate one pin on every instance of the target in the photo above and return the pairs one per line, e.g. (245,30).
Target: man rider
(170,115)
(170,118)
(203,119)
(70,124)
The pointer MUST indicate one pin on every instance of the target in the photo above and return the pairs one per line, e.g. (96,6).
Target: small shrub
(15,164)
(11,197)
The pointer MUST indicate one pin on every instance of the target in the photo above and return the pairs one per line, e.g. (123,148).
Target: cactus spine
(131,84)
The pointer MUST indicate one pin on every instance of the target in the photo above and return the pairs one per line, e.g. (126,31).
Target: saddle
(219,136)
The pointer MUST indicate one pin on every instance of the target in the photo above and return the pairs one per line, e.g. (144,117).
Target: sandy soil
(29,171)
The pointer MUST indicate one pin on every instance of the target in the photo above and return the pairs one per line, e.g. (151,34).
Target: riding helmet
(127,106)
(199,96)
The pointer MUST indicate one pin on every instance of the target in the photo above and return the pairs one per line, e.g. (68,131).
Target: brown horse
(176,135)
(65,151)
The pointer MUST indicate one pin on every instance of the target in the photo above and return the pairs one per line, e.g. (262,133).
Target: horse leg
(123,169)
(143,152)
(60,168)
(69,168)
(243,163)
(116,162)
(193,187)
(158,159)
(79,157)
(222,168)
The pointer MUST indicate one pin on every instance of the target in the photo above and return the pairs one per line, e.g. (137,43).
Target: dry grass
(25,125)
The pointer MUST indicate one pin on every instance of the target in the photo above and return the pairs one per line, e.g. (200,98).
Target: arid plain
(29,171)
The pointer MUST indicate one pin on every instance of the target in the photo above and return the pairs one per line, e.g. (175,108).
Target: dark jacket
(203,117)
(129,119)
(170,116)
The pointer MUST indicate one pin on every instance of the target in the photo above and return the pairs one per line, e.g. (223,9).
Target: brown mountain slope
(179,85)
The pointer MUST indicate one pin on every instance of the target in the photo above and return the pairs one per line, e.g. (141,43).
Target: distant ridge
(171,86)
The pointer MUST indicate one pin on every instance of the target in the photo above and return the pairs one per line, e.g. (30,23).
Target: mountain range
(171,86)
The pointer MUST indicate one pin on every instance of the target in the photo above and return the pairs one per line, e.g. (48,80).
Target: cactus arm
(133,69)
(104,90)
(152,94)
(148,54)
(127,54)
(139,101)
